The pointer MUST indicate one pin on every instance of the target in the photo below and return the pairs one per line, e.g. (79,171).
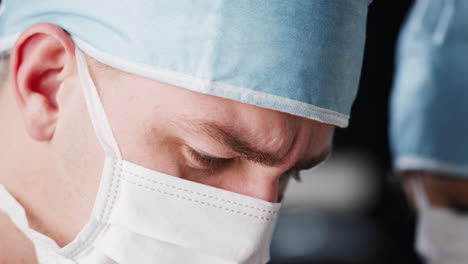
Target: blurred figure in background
(429,128)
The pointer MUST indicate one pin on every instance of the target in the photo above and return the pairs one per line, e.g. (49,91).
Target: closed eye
(204,161)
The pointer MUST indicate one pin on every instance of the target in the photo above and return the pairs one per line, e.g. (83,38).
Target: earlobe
(43,57)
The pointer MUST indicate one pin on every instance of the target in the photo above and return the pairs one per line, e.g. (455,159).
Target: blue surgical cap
(429,105)
(301,57)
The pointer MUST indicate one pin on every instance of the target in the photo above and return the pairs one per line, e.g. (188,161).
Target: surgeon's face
(443,191)
(206,139)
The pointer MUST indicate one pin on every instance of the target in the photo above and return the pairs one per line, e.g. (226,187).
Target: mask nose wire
(98,116)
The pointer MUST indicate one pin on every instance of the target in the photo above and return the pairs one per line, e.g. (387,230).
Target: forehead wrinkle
(240,144)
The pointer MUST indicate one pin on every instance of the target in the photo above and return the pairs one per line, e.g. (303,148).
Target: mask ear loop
(96,111)
(420,193)
(2,66)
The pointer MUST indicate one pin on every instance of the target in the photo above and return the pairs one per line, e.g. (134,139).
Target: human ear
(43,57)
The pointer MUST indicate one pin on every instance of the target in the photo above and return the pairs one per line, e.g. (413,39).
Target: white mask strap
(420,195)
(96,111)
(3,65)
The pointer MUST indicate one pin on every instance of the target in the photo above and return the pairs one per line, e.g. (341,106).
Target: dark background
(369,124)
(383,234)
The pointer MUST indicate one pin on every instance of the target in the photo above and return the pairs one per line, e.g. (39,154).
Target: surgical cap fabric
(429,105)
(301,57)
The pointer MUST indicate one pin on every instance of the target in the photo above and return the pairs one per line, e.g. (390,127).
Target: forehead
(188,104)
(155,103)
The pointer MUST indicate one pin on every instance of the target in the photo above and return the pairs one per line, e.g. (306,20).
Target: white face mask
(144,216)
(441,235)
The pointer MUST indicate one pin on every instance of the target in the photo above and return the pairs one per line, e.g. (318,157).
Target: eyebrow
(242,146)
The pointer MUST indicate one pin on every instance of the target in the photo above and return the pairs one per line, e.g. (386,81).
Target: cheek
(143,132)
(79,156)
(149,146)
(75,138)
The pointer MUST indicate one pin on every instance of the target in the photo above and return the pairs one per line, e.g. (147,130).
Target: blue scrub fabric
(429,104)
(301,57)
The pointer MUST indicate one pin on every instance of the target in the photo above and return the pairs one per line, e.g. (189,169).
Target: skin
(15,246)
(157,125)
(443,191)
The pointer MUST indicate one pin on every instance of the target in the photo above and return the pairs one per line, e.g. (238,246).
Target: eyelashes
(204,161)
(207,162)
